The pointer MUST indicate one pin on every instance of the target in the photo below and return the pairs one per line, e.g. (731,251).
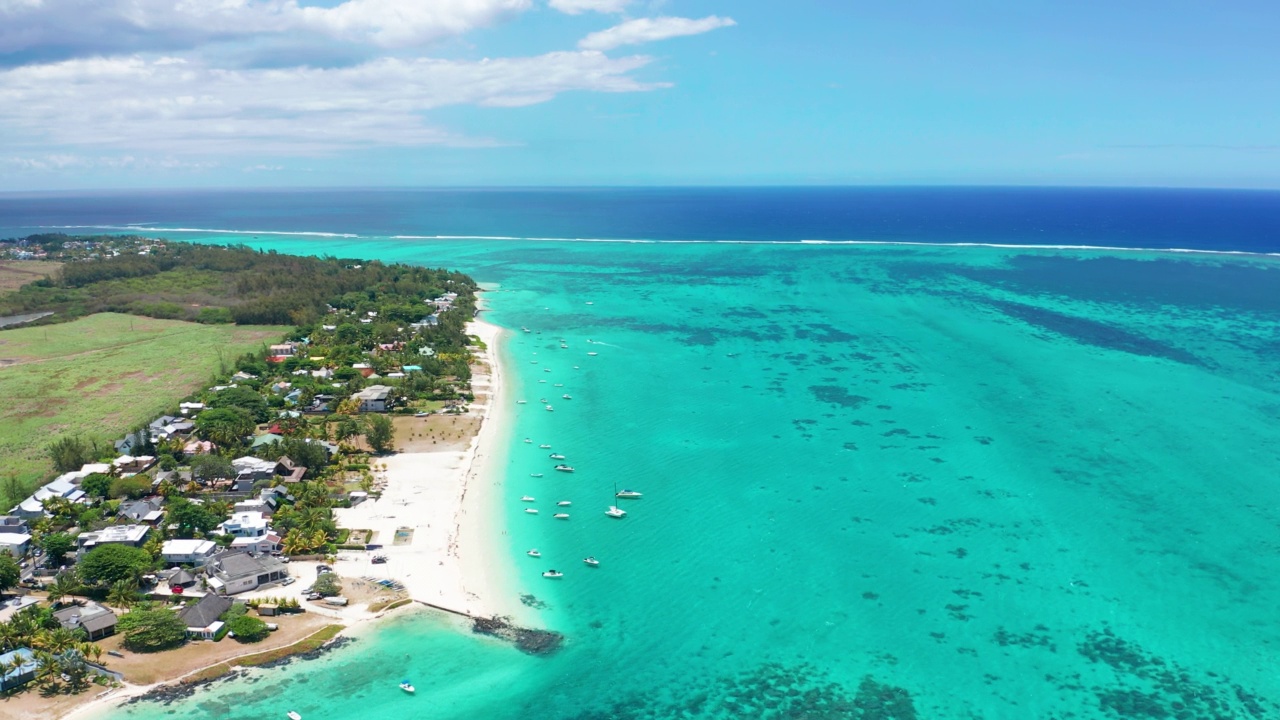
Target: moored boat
(591,561)
(293,715)
(614,512)
(564,468)
(545,446)
(552,574)
(564,503)
(629,494)
(527,498)
(562,516)
(407,686)
(531,511)
(556,456)
(534,553)
(535,474)
(566,396)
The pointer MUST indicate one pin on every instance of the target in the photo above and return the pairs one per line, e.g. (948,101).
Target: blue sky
(242,93)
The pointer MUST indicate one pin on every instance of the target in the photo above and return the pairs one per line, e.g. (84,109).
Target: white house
(16,544)
(268,543)
(188,552)
(133,535)
(246,525)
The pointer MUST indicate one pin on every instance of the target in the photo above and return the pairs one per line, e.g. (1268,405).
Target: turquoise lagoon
(879,482)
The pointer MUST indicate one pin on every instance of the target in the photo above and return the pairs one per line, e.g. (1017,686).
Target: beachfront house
(19,667)
(245,525)
(132,535)
(375,398)
(96,621)
(188,552)
(235,571)
(201,617)
(268,543)
(13,606)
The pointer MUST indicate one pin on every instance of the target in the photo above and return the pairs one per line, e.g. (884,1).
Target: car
(372,546)
(288,581)
(379,559)
(314,596)
(322,569)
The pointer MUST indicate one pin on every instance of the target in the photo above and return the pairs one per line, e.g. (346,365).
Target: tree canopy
(225,427)
(57,545)
(108,564)
(10,572)
(247,629)
(380,433)
(191,518)
(151,629)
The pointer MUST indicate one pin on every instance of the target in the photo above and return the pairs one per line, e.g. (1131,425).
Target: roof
(187,547)
(14,538)
(206,612)
(373,392)
(92,617)
(240,564)
(28,665)
(115,534)
(182,577)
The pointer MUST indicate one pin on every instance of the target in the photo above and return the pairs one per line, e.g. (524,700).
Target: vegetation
(380,433)
(59,653)
(10,572)
(247,629)
(57,545)
(149,628)
(327,585)
(111,563)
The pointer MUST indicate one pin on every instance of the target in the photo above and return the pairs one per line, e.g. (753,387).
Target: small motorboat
(558,385)
(630,494)
(564,503)
(550,409)
(593,354)
(542,381)
(534,553)
(294,715)
(614,512)
(407,686)
(564,347)
(564,468)
(562,516)
(590,303)
(531,511)
(546,369)
(553,574)
(527,498)
(535,474)
(575,367)
(545,446)
(521,402)
(591,561)
(525,329)
(566,396)
(556,456)
(528,440)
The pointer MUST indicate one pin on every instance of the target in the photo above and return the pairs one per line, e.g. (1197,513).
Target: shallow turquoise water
(955,482)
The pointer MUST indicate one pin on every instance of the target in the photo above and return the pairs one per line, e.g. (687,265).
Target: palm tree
(64,585)
(124,593)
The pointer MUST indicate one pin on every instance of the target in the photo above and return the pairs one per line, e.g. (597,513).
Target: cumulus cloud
(643,30)
(175,105)
(577,7)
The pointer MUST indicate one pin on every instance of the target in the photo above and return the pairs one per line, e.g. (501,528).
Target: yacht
(525,329)
(545,446)
(614,512)
(566,396)
(521,402)
(593,354)
(562,516)
(553,574)
(546,369)
(630,494)
(531,511)
(534,553)
(406,686)
(528,498)
(564,468)
(564,503)
(528,440)
(591,561)
(556,456)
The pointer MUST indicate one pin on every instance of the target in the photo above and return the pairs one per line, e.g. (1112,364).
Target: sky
(355,93)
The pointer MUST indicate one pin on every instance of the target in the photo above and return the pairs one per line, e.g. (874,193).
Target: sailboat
(614,511)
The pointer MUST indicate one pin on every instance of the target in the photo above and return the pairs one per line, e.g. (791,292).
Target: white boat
(550,409)
(564,347)
(614,512)
(534,553)
(542,381)
(525,329)
(593,354)
(566,396)
(406,686)
(521,402)
(590,303)
(562,516)
(591,561)
(558,385)
(293,715)
(545,446)
(531,511)
(542,400)
(528,440)
(564,468)
(564,503)
(575,367)
(629,494)
(556,456)
(527,498)
(552,574)
(546,369)
(535,474)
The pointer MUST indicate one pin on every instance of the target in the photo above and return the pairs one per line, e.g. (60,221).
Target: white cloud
(577,7)
(184,107)
(66,161)
(643,30)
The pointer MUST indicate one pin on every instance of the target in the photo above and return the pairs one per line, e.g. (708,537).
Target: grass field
(16,273)
(102,375)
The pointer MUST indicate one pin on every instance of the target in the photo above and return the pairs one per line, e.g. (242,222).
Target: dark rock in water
(534,642)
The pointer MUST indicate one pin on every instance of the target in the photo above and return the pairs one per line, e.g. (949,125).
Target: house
(131,465)
(16,544)
(97,622)
(366,370)
(258,505)
(429,321)
(190,408)
(183,579)
(19,667)
(146,510)
(291,472)
(252,468)
(375,398)
(202,617)
(268,543)
(197,447)
(132,535)
(245,524)
(13,606)
(235,571)
(188,552)
(283,350)
(267,439)
(13,524)
(66,486)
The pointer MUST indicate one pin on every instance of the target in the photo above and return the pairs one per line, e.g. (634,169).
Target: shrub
(248,629)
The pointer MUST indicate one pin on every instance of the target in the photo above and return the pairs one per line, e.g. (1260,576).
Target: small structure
(188,552)
(266,439)
(13,606)
(190,408)
(202,618)
(283,350)
(97,622)
(19,667)
(132,535)
(234,571)
(375,398)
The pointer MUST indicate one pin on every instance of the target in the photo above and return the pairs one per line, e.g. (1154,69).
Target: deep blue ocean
(984,476)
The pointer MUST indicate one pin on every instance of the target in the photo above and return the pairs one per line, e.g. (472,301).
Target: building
(246,524)
(202,617)
(188,552)
(268,543)
(234,571)
(146,511)
(132,535)
(288,471)
(97,622)
(19,667)
(11,607)
(66,486)
(16,544)
(375,398)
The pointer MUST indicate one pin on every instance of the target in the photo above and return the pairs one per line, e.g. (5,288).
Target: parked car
(421,414)
(288,581)
(372,546)
(322,569)
(314,596)
(379,559)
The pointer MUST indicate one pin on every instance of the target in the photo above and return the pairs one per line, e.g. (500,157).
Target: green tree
(109,564)
(64,585)
(327,584)
(124,593)
(57,545)
(96,484)
(380,433)
(10,572)
(191,518)
(71,453)
(211,467)
(244,398)
(151,629)
(248,629)
(224,427)
(132,487)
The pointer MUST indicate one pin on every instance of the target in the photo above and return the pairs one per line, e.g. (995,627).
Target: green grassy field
(101,375)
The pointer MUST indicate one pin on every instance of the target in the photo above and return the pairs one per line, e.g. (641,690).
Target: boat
(535,474)
(528,440)
(525,329)
(542,381)
(564,503)
(550,409)
(534,553)
(556,456)
(552,574)
(564,347)
(545,446)
(406,686)
(527,498)
(562,516)
(575,367)
(558,385)
(294,715)
(546,369)
(566,396)
(531,511)
(591,561)
(614,512)
(629,494)
(593,354)
(542,400)
(521,402)
(564,468)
